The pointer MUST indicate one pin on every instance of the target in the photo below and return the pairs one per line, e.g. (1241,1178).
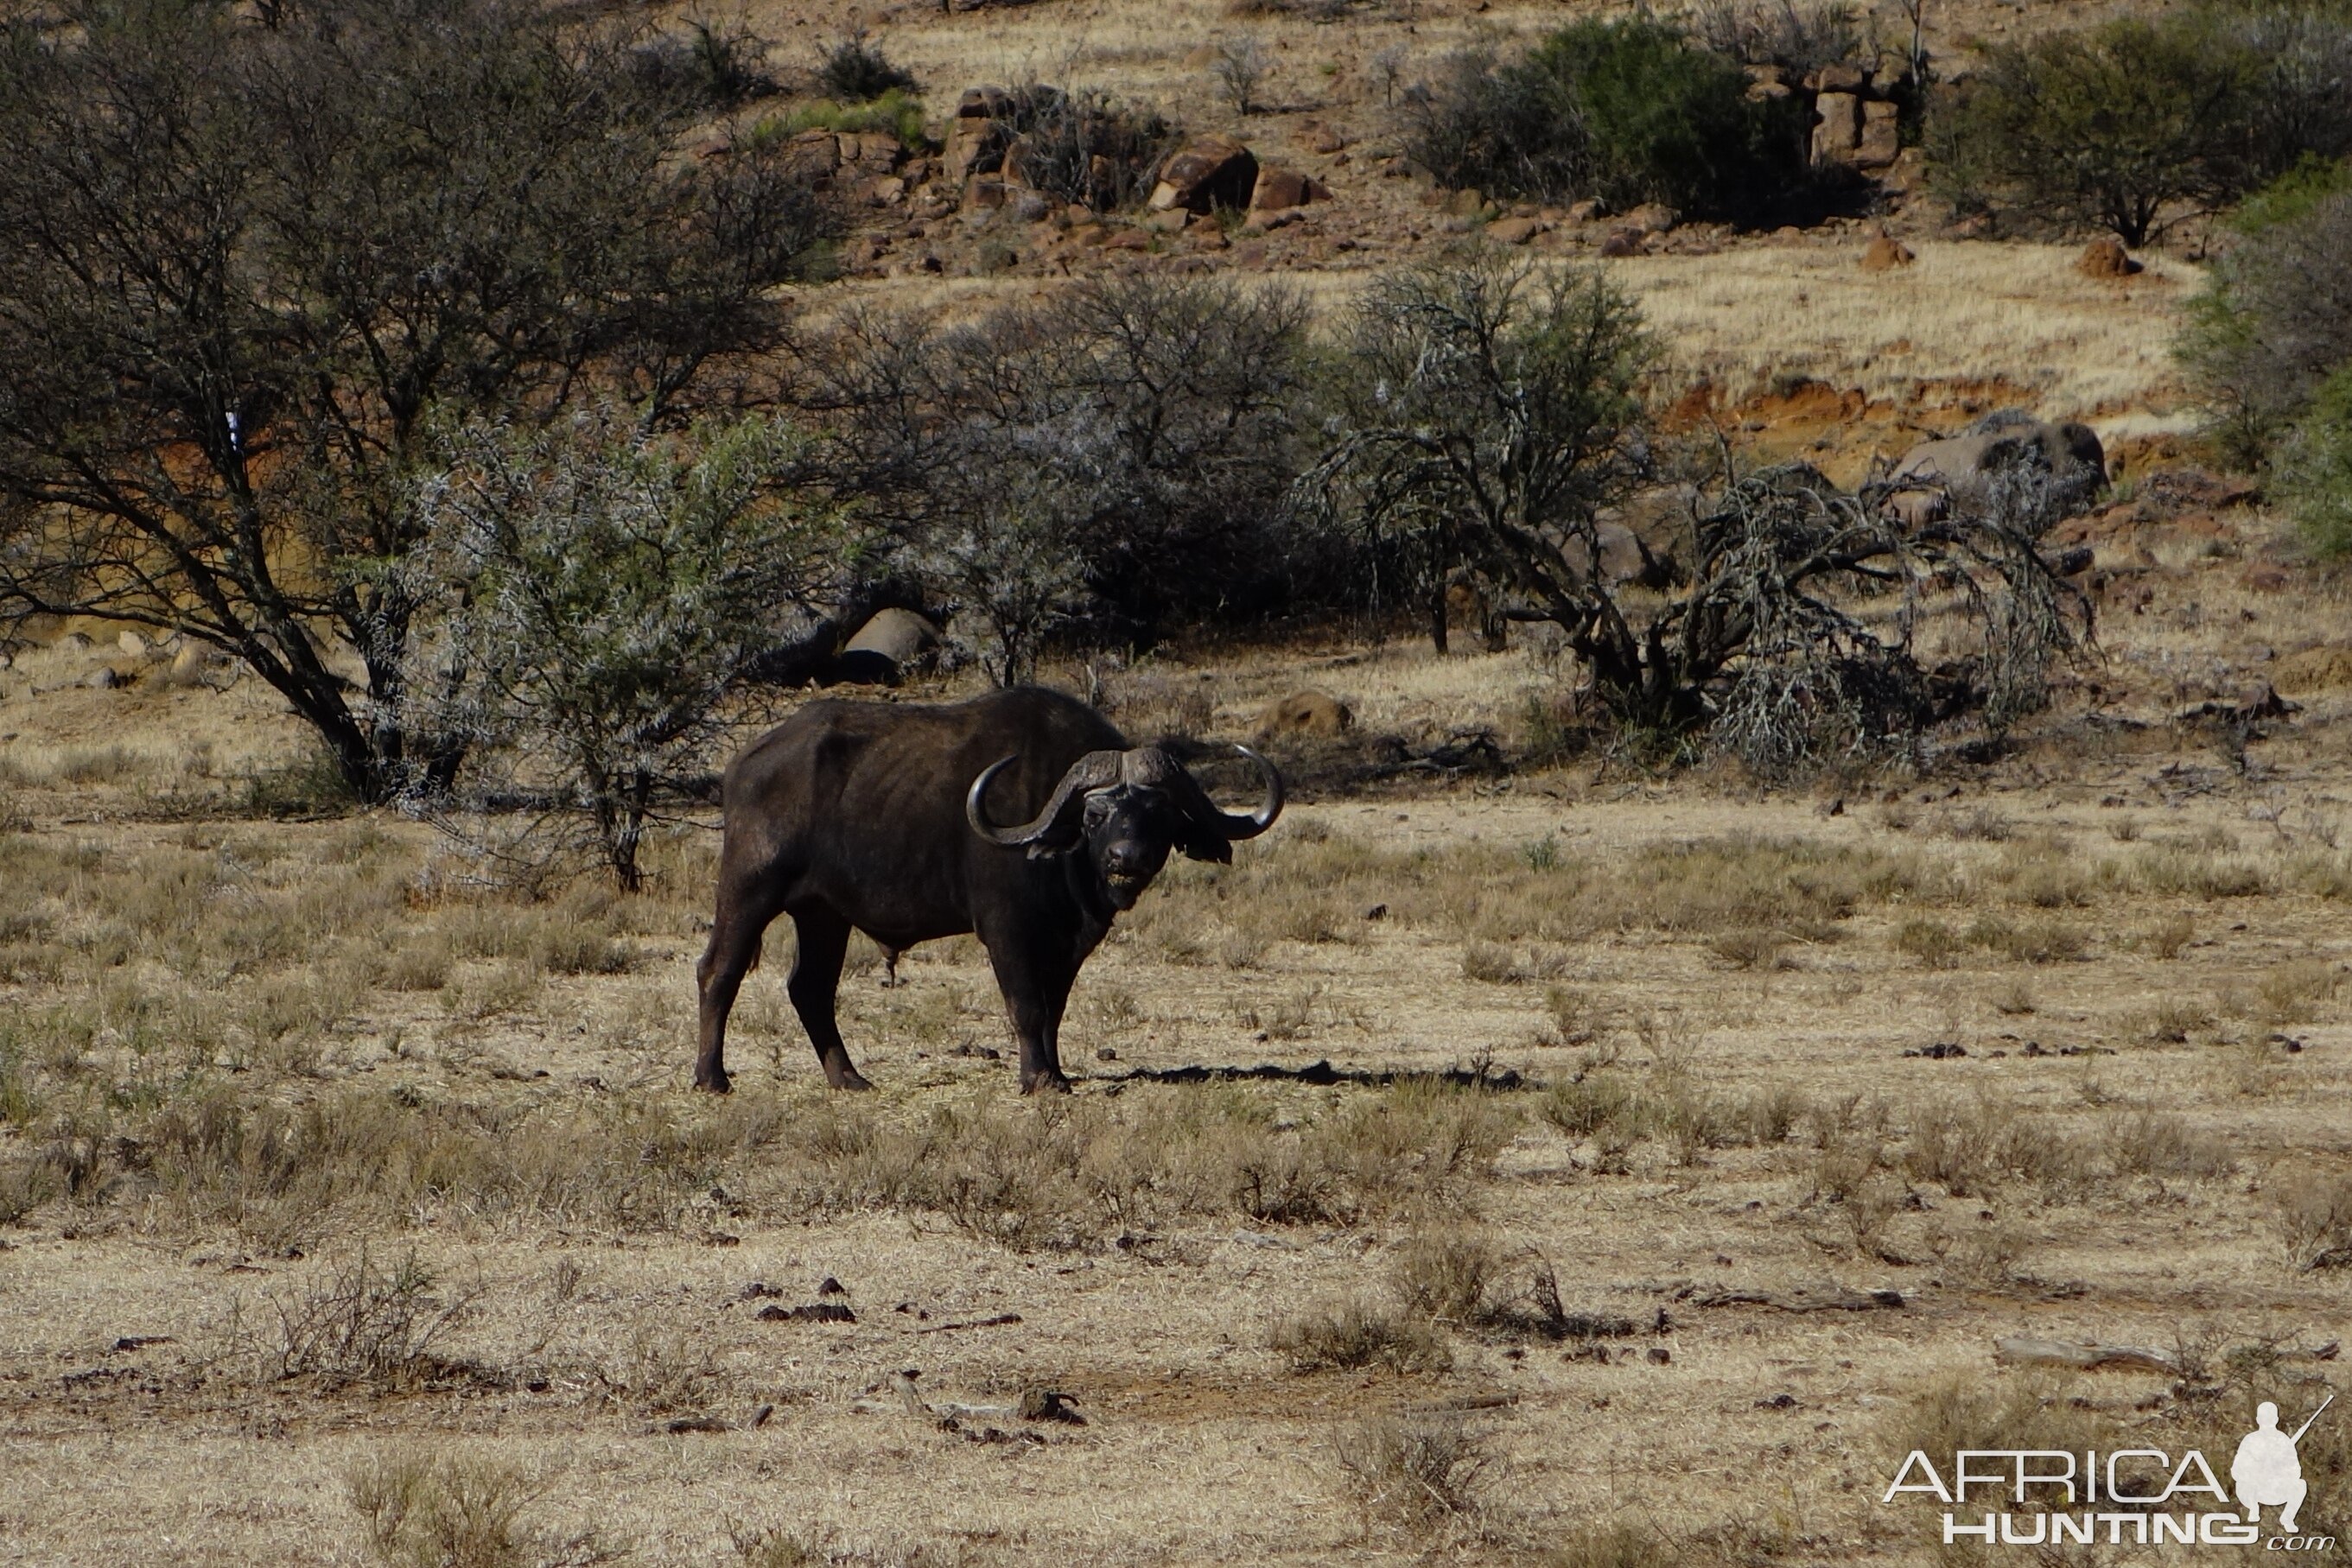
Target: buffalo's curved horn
(1095,770)
(1236,825)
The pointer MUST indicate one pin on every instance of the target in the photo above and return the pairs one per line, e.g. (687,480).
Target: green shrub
(2316,468)
(2272,332)
(2136,123)
(1624,111)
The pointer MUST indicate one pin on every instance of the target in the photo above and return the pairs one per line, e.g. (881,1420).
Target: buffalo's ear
(1205,846)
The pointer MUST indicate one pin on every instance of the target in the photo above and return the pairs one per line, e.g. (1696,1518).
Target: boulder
(1623,242)
(1622,558)
(1886,253)
(1653,218)
(814,154)
(1838,79)
(902,636)
(891,643)
(983,103)
(1962,467)
(195,664)
(1212,171)
(1276,189)
(2328,667)
(1837,127)
(132,643)
(2105,259)
(1305,713)
(1881,141)
(1512,230)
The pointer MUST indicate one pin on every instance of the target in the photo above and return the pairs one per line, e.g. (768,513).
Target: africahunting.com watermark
(2068,1491)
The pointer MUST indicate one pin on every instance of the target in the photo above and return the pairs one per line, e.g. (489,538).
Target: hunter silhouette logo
(2268,1471)
(2142,1496)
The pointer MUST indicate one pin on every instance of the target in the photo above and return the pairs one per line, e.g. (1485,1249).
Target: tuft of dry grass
(2313,1212)
(1449,1274)
(422,1510)
(1422,1470)
(1618,1544)
(362,1325)
(1350,1334)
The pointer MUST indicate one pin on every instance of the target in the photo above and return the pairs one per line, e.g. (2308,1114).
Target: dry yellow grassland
(274,1104)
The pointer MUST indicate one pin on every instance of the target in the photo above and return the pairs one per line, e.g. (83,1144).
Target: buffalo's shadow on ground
(1320,1072)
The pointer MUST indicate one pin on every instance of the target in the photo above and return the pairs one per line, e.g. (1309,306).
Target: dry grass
(420,1510)
(225,1042)
(1422,1469)
(1350,1334)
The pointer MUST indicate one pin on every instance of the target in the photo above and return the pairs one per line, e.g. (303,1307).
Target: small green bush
(2269,341)
(1626,111)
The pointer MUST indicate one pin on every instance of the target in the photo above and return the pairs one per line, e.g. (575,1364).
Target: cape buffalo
(882,817)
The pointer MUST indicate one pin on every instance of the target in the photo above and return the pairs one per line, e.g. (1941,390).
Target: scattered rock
(1047,1405)
(808,1312)
(829,1286)
(133,644)
(1659,1355)
(1104,1054)
(1621,242)
(1513,230)
(2105,259)
(1376,911)
(1653,218)
(1305,713)
(1942,1050)
(2258,701)
(1886,253)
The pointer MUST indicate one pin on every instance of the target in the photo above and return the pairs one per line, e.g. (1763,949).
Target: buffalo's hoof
(1046,1084)
(715,1081)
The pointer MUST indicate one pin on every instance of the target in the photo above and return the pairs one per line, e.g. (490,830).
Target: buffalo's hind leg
(746,905)
(816,977)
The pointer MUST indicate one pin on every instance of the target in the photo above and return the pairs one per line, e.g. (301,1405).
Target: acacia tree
(590,592)
(1487,416)
(246,270)
(1493,414)
(1111,456)
(2136,123)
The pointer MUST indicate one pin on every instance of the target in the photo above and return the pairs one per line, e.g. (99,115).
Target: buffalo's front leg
(1036,991)
(816,977)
